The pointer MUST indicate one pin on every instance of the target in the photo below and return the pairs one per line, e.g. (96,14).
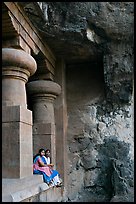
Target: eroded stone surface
(92,31)
(100,141)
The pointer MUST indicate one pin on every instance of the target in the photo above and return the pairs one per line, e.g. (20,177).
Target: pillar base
(17,152)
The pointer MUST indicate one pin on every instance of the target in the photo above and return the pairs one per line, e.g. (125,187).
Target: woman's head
(47,153)
(41,151)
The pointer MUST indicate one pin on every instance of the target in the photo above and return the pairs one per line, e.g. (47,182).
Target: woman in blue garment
(47,161)
(39,167)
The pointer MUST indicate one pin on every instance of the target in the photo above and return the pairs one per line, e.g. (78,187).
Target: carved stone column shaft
(17,155)
(43,108)
(42,94)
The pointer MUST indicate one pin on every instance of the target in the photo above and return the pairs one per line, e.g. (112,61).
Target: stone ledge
(16,190)
(25,193)
(12,185)
(19,190)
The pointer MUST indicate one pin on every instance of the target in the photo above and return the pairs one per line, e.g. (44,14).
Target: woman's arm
(51,165)
(41,163)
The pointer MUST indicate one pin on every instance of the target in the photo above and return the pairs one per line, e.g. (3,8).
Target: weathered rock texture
(98,35)
(78,31)
(100,138)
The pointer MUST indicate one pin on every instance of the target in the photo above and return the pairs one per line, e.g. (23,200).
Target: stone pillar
(17,154)
(42,94)
(61,124)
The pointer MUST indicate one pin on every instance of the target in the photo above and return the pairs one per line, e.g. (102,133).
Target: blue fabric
(46,178)
(54,172)
(44,160)
(36,158)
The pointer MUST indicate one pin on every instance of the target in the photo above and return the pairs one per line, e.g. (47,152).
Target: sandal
(59,185)
(49,183)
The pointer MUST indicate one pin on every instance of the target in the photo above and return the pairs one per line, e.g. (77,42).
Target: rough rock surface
(100,128)
(83,25)
(100,140)
(90,31)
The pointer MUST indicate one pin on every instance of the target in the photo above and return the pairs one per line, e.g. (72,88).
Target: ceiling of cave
(70,44)
(78,31)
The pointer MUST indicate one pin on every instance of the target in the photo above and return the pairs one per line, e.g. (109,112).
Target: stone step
(16,190)
(30,189)
(12,185)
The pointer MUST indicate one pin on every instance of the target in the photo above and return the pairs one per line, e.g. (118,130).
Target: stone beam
(20,32)
(45,70)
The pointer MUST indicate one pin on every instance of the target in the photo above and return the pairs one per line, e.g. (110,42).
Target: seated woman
(40,168)
(46,160)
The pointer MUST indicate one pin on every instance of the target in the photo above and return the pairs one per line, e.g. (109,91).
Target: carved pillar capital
(17,66)
(17,60)
(43,88)
(42,94)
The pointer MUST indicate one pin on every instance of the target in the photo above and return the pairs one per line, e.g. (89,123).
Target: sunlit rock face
(96,40)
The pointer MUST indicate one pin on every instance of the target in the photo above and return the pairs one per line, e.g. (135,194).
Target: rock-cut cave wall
(100,106)
(100,140)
